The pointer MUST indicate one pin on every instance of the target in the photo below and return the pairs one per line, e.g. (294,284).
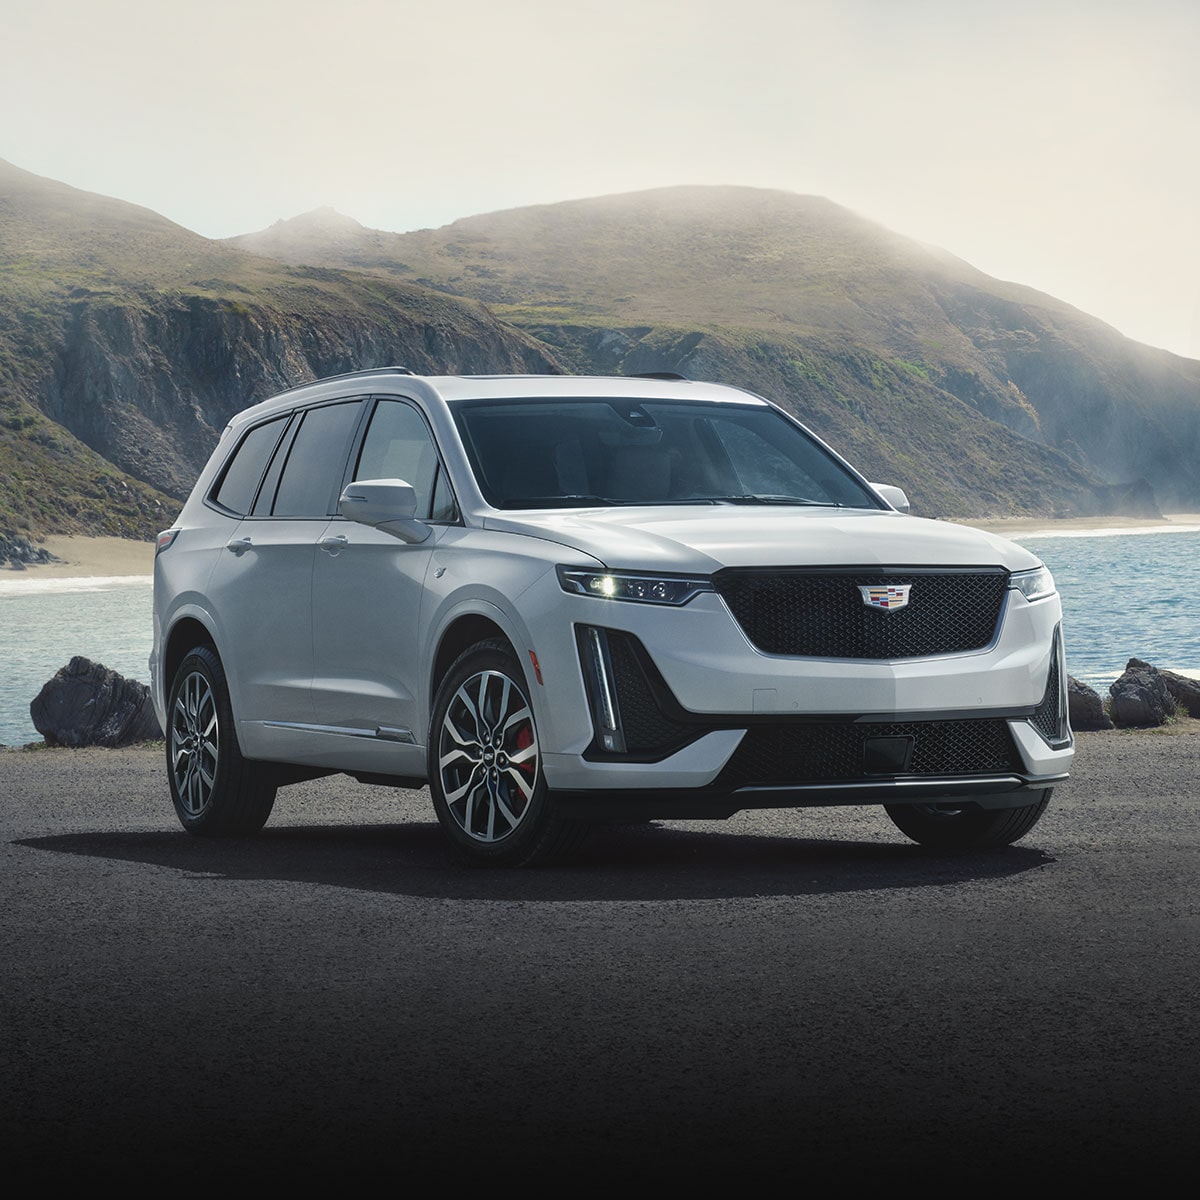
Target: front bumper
(989,726)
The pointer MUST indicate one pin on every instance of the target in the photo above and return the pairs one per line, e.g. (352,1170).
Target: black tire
(964,826)
(216,792)
(485,766)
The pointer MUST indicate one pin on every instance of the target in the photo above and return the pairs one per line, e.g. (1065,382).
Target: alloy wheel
(194,750)
(488,757)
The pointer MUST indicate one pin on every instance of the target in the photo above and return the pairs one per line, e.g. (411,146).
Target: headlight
(632,585)
(1033,585)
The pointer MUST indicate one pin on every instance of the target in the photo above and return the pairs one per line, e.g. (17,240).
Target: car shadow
(621,863)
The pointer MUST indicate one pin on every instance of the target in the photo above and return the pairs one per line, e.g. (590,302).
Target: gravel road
(802,993)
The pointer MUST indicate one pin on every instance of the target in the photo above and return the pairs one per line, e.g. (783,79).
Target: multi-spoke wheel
(485,767)
(960,825)
(216,791)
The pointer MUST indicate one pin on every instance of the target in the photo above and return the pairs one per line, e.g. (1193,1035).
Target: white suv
(558,599)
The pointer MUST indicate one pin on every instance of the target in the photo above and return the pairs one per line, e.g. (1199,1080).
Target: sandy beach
(109,556)
(1051,526)
(90,557)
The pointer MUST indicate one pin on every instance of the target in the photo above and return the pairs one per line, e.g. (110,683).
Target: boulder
(86,704)
(17,550)
(1085,708)
(1140,697)
(1185,691)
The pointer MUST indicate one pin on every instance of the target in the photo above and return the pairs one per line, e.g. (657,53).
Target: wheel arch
(185,635)
(462,632)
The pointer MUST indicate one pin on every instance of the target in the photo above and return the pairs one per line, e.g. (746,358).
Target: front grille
(821,614)
(832,752)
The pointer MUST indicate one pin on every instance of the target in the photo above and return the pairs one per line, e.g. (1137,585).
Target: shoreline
(99,557)
(88,558)
(1012,527)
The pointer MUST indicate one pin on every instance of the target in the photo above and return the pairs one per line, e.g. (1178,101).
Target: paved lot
(801,992)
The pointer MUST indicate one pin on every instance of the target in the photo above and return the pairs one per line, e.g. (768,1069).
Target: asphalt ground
(785,998)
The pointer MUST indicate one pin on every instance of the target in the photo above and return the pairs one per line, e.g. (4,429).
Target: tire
(966,826)
(216,792)
(485,766)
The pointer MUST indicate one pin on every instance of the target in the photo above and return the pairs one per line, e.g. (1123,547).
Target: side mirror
(893,495)
(387,504)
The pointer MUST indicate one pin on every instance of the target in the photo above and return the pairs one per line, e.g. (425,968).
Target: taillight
(164,540)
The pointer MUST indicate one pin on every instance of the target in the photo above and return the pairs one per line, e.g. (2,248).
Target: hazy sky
(1055,143)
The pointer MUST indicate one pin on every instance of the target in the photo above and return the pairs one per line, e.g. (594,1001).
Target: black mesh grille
(645,727)
(822,614)
(1047,717)
(827,752)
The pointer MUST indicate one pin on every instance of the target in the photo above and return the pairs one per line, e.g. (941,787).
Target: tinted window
(240,481)
(535,454)
(316,462)
(398,446)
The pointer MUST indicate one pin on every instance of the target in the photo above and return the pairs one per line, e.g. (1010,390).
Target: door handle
(331,545)
(240,546)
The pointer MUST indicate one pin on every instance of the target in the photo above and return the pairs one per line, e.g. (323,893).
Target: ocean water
(45,622)
(1125,595)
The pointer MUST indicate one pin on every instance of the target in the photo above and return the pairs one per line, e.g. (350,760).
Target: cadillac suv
(559,599)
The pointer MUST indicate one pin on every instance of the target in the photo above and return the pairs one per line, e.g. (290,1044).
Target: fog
(1051,143)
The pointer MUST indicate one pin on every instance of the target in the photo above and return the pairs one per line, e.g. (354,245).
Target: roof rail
(658,375)
(368,371)
(347,375)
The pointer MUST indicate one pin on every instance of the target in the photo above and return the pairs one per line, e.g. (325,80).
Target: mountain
(127,342)
(977,395)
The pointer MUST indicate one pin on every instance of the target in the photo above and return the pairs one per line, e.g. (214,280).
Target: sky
(1054,143)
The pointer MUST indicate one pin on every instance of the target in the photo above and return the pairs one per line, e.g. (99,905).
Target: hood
(701,539)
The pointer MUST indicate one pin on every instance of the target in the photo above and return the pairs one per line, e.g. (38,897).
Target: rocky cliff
(976,394)
(126,344)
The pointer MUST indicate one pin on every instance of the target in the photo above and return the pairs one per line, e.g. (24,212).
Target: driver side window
(398,446)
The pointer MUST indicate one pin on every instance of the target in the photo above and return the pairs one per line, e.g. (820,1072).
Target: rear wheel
(965,826)
(216,791)
(485,766)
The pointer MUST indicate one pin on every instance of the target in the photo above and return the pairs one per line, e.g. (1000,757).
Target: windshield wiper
(576,501)
(769,498)
(558,501)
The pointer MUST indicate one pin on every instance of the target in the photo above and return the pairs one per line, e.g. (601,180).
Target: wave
(1127,531)
(20,584)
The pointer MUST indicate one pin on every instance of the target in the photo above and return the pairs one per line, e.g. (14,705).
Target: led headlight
(632,585)
(1033,585)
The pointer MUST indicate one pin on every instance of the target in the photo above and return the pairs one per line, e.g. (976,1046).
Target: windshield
(586,453)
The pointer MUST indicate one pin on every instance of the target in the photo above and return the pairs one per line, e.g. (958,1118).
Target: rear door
(262,587)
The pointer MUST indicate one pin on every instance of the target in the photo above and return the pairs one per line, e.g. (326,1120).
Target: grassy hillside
(127,343)
(838,317)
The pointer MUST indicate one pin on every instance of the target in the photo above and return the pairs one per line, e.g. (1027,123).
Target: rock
(17,550)
(1140,696)
(1085,707)
(1185,691)
(86,704)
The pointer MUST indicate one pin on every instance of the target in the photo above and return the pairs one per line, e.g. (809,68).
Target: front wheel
(485,765)
(216,791)
(964,826)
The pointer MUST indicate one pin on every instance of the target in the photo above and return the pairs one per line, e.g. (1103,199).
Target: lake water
(1125,595)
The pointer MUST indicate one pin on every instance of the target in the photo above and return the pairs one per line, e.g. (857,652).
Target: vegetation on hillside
(127,342)
(874,326)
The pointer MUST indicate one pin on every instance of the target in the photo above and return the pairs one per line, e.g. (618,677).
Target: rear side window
(239,482)
(316,462)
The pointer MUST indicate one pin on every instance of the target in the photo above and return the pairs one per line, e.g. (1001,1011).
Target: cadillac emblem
(887,598)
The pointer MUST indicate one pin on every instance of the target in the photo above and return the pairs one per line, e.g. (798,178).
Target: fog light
(602,693)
